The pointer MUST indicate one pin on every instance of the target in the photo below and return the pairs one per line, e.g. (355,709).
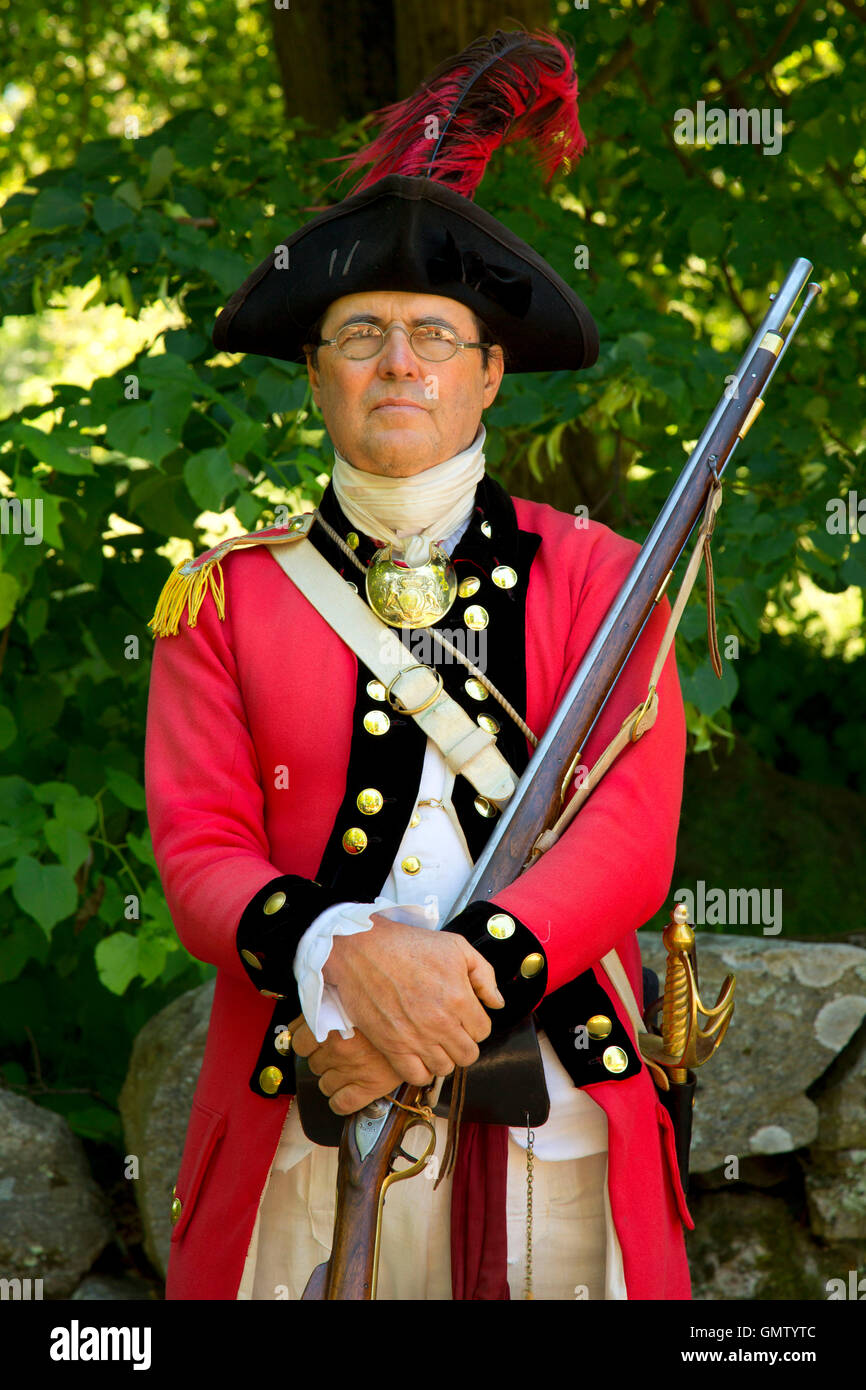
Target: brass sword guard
(684,1043)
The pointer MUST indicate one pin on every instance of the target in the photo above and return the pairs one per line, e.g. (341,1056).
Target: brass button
(484,807)
(273,904)
(501,926)
(376,690)
(252,960)
(353,540)
(270,994)
(467,587)
(475,689)
(531,965)
(270,1079)
(615,1059)
(504,577)
(298,524)
(283,1042)
(176,1209)
(369,801)
(376,721)
(599,1026)
(476,617)
(486,529)
(488,723)
(411,865)
(416,820)
(354,841)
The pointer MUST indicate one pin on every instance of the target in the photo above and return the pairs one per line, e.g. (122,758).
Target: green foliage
(684,244)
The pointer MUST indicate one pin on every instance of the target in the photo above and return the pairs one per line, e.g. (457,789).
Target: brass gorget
(405,595)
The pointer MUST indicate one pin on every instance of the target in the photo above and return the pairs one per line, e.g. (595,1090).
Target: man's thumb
(483,981)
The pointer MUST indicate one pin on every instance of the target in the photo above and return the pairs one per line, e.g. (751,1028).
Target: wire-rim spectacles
(430,341)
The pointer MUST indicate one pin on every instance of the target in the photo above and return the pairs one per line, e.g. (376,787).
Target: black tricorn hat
(403,231)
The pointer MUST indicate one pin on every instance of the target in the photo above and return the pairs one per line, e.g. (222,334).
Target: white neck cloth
(425,507)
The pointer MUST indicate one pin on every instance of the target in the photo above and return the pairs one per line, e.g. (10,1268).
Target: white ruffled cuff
(320,1002)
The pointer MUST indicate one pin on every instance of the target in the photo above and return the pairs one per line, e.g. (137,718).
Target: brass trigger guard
(398,1174)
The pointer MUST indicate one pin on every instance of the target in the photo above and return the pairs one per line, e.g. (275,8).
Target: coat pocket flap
(206,1128)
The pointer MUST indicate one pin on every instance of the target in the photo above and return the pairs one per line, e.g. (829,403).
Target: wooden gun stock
(363,1180)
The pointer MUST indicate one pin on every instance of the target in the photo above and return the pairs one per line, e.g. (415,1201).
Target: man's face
(446,398)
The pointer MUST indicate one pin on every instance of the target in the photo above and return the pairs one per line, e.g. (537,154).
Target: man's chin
(400,451)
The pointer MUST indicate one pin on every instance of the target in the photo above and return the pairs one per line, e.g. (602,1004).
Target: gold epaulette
(189,584)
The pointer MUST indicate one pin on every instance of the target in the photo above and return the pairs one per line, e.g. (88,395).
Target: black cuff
(516,955)
(270,930)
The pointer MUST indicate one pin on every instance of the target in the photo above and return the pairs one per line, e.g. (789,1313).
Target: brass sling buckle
(636,731)
(397,704)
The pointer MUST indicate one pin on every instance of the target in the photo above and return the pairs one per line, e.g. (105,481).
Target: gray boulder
(155,1104)
(54,1220)
(751,1245)
(836,1190)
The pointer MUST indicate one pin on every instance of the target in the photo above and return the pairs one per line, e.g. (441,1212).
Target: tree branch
(621,58)
(732,291)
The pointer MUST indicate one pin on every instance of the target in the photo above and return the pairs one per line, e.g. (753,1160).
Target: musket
(536,802)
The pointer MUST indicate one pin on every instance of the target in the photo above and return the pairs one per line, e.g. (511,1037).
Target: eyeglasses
(429,341)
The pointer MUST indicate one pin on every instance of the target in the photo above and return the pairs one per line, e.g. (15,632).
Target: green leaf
(151,959)
(129,193)
(279,393)
(244,435)
(23,944)
(210,478)
(55,207)
(17,806)
(49,449)
(117,961)
(226,268)
(70,845)
(9,591)
(707,237)
(853,571)
(161,167)
(110,214)
(142,848)
(706,691)
(34,619)
(125,788)
(45,892)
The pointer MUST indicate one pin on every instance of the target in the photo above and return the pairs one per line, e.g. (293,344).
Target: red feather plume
(511,86)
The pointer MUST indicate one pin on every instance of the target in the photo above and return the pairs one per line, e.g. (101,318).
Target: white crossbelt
(466,748)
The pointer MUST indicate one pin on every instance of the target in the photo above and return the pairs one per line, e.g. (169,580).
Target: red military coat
(270,687)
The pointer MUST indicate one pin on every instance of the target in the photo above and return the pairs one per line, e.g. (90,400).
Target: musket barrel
(507,850)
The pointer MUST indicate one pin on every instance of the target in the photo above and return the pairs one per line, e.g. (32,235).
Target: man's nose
(396,354)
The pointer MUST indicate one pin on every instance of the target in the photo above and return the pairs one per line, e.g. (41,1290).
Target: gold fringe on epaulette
(188,588)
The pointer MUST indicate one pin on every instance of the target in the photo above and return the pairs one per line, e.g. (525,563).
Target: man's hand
(351,1072)
(414,994)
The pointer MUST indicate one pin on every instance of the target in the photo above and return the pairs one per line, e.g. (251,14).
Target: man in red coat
(292,816)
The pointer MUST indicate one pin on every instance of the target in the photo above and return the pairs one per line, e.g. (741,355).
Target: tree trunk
(427,34)
(339,59)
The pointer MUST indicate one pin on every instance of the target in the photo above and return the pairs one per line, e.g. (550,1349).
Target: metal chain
(443,642)
(530,1157)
